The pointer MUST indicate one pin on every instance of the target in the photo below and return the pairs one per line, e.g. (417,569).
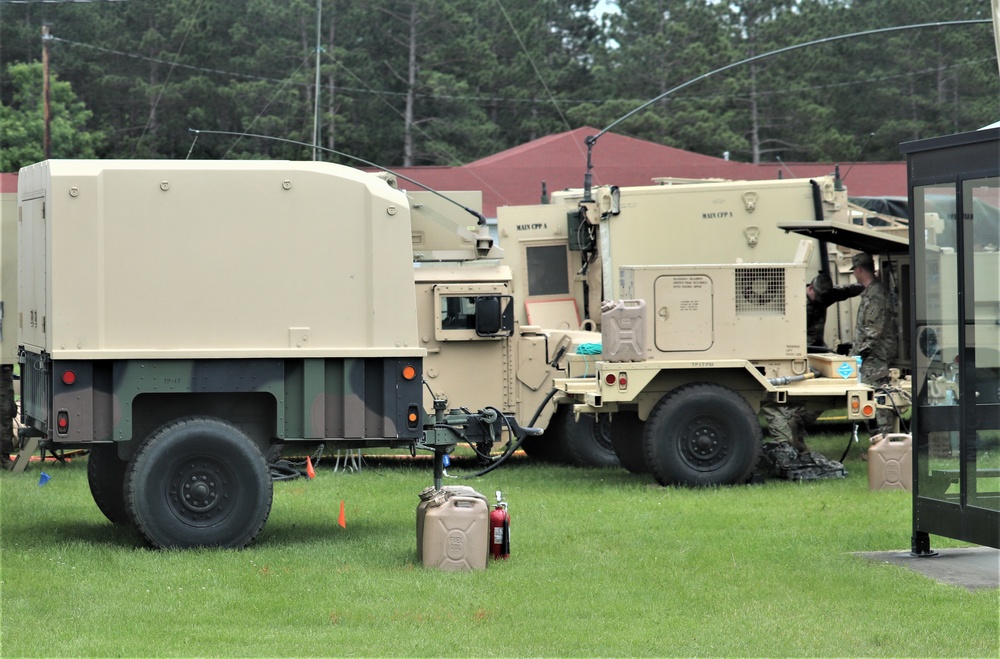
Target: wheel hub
(703,443)
(199,492)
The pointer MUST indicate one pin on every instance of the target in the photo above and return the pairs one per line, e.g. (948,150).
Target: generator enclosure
(739,311)
(133,259)
(276,293)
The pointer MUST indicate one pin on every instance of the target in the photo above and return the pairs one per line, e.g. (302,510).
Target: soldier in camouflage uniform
(875,333)
(788,423)
(8,410)
(820,295)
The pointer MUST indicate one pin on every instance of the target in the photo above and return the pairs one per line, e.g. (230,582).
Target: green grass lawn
(603,564)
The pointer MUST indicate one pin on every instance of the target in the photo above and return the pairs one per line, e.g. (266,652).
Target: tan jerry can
(890,462)
(429,497)
(455,532)
(623,331)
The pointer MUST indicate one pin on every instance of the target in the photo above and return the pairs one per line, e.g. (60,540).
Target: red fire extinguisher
(500,529)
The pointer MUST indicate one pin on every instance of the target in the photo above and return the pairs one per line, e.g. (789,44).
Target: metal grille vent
(760,291)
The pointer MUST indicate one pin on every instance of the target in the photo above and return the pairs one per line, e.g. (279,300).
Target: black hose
(514,446)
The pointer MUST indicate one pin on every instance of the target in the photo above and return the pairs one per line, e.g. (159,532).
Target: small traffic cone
(310,472)
(341,519)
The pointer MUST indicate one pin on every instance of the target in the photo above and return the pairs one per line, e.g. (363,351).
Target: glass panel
(981,199)
(548,270)
(937,318)
(458,313)
(937,334)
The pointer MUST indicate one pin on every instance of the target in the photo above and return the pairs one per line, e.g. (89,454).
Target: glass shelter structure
(954,200)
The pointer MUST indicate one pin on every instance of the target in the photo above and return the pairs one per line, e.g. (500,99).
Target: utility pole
(319,50)
(46,109)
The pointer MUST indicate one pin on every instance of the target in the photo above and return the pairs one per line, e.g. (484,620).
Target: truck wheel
(106,477)
(585,442)
(626,439)
(198,482)
(702,434)
(541,447)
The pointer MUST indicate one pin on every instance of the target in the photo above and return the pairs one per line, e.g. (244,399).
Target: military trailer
(686,369)
(184,319)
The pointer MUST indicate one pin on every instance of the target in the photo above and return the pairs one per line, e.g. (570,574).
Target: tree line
(444,82)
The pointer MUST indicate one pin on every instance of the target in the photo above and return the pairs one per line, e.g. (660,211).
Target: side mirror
(494,315)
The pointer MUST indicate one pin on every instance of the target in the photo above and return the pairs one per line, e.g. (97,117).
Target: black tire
(702,434)
(541,447)
(198,482)
(585,442)
(626,439)
(106,477)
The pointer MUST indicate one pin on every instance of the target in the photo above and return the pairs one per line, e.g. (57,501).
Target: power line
(487,99)
(54,2)
(170,72)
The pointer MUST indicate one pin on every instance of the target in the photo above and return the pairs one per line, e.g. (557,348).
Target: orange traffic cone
(310,472)
(341,519)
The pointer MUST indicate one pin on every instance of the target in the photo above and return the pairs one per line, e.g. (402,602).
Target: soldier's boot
(6,444)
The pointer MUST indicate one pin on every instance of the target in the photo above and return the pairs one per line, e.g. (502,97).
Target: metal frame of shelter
(954,197)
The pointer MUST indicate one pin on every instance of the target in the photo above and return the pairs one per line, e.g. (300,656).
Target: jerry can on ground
(426,496)
(623,331)
(455,531)
(890,462)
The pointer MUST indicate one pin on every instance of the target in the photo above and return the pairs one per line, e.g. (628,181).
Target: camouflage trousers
(788,423)
(8,410)
(875,373)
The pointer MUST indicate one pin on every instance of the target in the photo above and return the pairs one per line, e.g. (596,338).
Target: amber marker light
(869,410)
(409,372)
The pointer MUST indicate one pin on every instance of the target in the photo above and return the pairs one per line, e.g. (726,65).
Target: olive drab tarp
(782,460)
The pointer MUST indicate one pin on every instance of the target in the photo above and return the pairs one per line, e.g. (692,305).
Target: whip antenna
(592,140)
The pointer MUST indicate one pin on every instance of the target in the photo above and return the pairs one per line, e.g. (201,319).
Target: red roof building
(8,183)
(515,177)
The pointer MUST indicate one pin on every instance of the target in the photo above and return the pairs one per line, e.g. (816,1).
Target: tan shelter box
(835,366)
(145,259)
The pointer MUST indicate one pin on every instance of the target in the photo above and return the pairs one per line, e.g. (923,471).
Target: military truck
(685,373)
(566,255)
(454,267)
(183,319)
(8,305)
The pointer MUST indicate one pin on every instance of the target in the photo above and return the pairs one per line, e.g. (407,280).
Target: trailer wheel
(585,442)
(626,438)
(106,477)
(702,434)
(198,482)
